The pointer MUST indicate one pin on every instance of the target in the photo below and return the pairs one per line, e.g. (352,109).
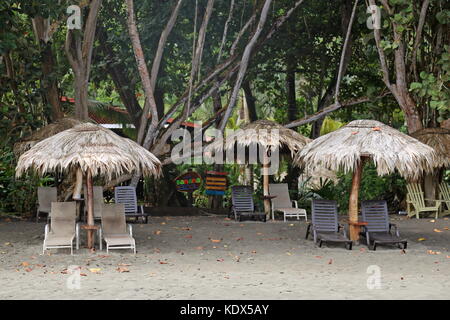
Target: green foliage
(390,188)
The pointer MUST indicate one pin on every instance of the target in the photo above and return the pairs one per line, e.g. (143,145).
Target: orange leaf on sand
(376,129)
(199,248)
(186,228)
(330,261)
(24,264)
(216,240)
(220,260)
(95,270)
(122,269)
(163,262)
(28,269)
(433,252)
(437,230)
(157,232)
(354,132)
(421,239)
(189,236)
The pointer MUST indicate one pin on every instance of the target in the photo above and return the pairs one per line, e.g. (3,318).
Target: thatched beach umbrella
(270,136)
(348,147)
(43,133)
(92,150)
(439,140)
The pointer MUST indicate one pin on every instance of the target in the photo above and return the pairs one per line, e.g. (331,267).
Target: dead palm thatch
(269,135)
(44,133)
(265,133)
(439,140)
(89,147)
(347,148)
(389,149)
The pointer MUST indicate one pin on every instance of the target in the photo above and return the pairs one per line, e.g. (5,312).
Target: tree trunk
(90,208)
(353,201)
(49,83)
(250,101)
(290,88)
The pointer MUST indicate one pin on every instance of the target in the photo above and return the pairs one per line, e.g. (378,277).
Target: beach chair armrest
(142,208)
(130,229)
(46,230)
(295,203)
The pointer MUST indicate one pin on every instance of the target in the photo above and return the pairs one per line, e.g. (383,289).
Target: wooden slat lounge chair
(243,205)
(325,226)
(444,189)
(379,229)
(127,196)
(114,231)
(416,198)
(46,195)
(282,202)
(62,230)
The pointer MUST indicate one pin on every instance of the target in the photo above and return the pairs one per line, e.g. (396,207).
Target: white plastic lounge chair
(46,195)
(114,229)
(127,196)
(62,230)
(282,202)
(98,203)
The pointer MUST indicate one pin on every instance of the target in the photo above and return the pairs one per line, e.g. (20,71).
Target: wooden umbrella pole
(90,208)
(266,184)
(353,202)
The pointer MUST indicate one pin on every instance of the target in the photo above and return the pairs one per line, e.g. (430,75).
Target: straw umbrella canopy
(268,135)
(93,151)
(43,133)
(348,147)
(439,140)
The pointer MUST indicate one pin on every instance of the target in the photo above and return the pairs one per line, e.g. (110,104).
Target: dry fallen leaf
(24,264)
(433,252)
(157,232)
(216,240)
(421,239)
(122,269)
(189,236)
(220,260)
(199,248)
(330,261)
(437,230)
(95,270)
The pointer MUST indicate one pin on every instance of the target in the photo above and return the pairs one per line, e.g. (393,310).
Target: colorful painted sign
(216,183)
(188,182)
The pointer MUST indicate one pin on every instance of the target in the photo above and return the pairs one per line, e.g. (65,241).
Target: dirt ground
(216,258)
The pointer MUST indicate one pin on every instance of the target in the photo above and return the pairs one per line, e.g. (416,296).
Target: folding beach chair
(282,202)
(378,229)
(46,195)
(325,226)
(127,196)
(114,231)
(62,230)
(242,204)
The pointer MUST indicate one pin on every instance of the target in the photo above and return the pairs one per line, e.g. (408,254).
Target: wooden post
(266,184)
(90,209)
(353,201)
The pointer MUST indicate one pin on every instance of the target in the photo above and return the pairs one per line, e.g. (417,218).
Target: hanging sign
(188,182)
(216,183)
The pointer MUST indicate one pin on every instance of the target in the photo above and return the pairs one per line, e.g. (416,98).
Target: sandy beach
(212,257)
